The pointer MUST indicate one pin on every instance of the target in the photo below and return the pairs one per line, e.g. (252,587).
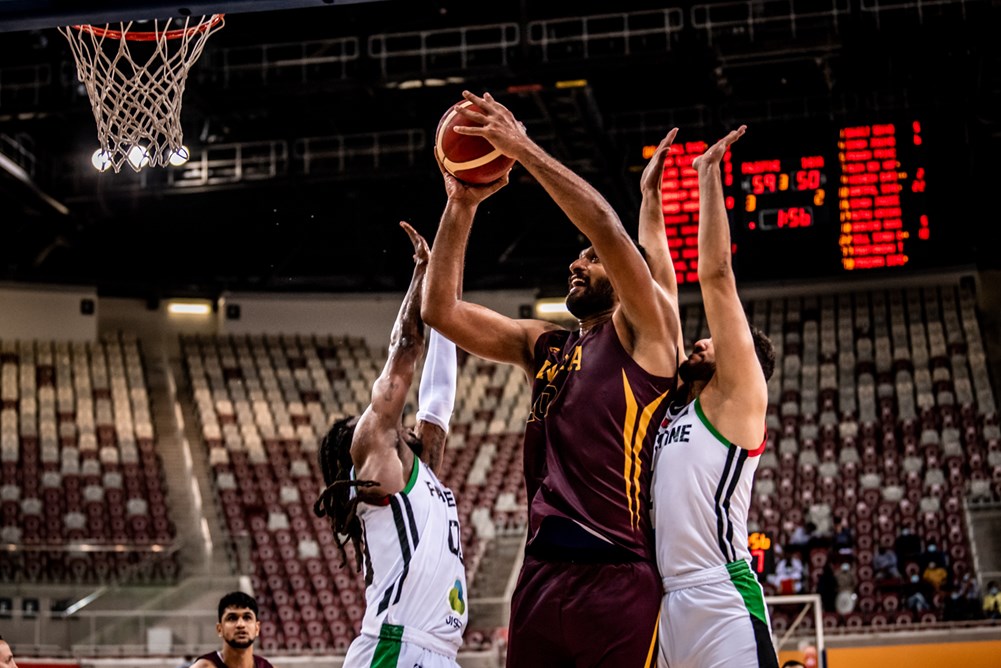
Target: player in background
(6,655)
(706,451)
(383,493)
(588,593)
(239,626)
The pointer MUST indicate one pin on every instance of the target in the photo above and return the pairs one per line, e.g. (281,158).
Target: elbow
(719,272)
(431,314)
(436,314)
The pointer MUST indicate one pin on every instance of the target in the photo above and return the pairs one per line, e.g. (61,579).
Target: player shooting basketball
(707,448)
(588,593)
(383,493)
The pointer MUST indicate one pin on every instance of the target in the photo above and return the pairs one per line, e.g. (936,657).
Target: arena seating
(79,466)
(265,402)
(880,412)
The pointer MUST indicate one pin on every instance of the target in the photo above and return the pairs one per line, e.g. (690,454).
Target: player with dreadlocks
(384,494)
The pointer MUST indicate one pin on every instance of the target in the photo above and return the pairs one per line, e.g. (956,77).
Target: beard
(597,296)
(240,644)
(700,371)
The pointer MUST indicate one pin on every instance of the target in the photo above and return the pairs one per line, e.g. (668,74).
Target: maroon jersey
(216,660)
(589,438)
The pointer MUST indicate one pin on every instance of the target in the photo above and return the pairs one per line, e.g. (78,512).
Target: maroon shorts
(571,615)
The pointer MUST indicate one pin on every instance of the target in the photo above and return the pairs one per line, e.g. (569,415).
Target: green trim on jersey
(387,652)
(747,585)
(708,424)
(413,475)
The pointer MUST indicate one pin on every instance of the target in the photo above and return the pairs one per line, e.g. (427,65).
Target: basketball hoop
(135,80)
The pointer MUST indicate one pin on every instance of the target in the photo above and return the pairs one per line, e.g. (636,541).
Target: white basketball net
(135,81)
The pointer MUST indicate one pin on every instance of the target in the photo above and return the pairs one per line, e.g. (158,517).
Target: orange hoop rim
(150,35)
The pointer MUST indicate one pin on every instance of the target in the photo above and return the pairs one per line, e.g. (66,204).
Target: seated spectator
(992,601)
(907,545)
(935,575)
(930,554)
(800,538)
(788,576)
(844,538)
(846,597)
(969,589)
(884,565)
(963,603)
(917,595)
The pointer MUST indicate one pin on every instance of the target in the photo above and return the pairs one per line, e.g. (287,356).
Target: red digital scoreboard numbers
(680,198)
(876,229)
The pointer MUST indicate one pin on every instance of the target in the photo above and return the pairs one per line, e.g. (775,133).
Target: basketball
(470,159)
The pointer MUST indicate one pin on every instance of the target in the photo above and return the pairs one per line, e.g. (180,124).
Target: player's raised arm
(374,448)
(475,328)
(737,396)
(646,328)
(651,230)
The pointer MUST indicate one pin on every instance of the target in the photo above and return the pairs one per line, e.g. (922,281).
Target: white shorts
(714,619)
(398,647)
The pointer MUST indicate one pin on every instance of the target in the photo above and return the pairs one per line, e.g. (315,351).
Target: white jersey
(415,566)
(701,493)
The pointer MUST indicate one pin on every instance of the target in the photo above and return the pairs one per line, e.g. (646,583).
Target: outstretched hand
(421,251)
(496,124)
(715,153)
(653,174)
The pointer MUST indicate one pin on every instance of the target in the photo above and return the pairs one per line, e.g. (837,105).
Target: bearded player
(713,612)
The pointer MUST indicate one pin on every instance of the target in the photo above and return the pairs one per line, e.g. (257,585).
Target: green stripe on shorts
(745,582)
(387,652)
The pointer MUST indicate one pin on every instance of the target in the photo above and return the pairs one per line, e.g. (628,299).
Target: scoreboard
(818,201)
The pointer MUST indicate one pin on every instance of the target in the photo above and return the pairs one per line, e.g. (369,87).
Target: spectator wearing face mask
(935,575)
(918,595)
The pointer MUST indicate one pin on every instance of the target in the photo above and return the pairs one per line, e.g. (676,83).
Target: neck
(589,322)
(695,389)
(238,658)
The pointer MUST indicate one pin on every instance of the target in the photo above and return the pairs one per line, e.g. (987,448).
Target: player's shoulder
(261,662)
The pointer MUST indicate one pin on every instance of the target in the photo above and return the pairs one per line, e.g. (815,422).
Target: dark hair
(335,501)
(765,351)
(642,250)
(239,600)
(793,663)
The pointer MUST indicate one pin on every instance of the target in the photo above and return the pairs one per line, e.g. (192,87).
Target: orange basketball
(470,159)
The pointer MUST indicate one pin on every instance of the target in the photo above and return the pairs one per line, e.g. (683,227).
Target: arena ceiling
(312,127)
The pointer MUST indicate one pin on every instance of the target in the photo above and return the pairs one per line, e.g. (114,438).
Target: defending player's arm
(436,398)
(375,445)
(646,327)
(475,328)
(651,230)
(736,398)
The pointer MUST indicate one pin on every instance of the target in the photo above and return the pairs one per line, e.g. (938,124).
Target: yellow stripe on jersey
(653,644)
(627,437)
(633,435)
(640,439)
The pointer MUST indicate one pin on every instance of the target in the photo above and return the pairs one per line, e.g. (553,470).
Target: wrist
(462,202)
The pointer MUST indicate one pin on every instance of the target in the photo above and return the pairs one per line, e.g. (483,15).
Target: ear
(218,629)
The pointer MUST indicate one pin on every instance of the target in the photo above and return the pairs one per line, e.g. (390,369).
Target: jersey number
(455,539)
